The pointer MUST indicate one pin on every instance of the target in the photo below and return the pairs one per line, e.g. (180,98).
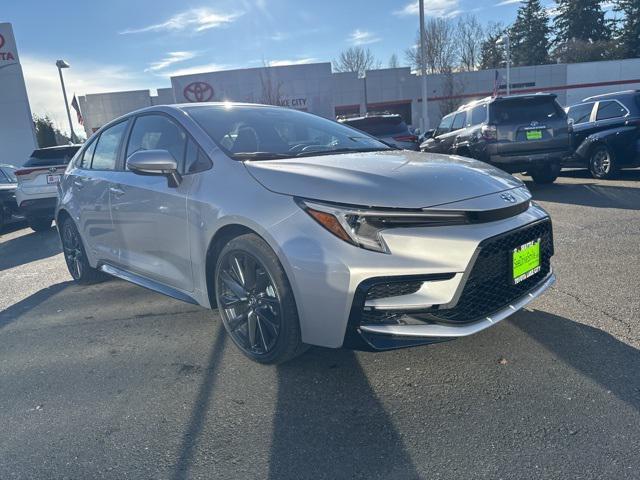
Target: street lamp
(423,69)
(62,64)
(506,41)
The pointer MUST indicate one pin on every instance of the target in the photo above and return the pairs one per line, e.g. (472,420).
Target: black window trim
(179,125)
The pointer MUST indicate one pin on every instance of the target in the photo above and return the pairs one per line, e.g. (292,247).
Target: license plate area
(533,134)
(525,261)
(53,179)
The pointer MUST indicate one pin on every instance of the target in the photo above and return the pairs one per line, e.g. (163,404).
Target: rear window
(525,111)
(378,126)
(50,157)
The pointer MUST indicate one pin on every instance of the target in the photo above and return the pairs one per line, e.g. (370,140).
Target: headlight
(363,227)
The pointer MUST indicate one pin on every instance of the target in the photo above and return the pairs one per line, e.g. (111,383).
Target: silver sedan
(301,231)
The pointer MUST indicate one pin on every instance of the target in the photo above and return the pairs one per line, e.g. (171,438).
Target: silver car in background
(302,231)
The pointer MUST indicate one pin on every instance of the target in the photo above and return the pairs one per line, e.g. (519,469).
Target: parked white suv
(37,191)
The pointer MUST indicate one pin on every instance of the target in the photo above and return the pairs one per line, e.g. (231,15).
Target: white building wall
(620,74)
(101,108)
(17,134)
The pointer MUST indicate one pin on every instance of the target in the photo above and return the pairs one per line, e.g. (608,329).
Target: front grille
(393,289)
(488,287)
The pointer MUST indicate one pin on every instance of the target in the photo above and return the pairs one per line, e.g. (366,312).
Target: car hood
(391,179)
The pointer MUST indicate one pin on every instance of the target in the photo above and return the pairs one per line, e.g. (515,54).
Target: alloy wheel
(249,302)
(601,162)
(73,253)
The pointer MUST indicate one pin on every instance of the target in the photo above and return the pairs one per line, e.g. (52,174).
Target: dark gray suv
(518,133)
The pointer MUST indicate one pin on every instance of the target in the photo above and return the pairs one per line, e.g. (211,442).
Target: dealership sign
(8,55)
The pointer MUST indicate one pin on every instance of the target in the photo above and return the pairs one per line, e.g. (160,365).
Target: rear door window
(522,111)
(610,109)
(580,113)
(458,121)
(445,125)
(478,115)
(84,161)
(106,153)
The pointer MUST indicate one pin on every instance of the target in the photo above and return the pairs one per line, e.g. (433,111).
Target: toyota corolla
(300,230)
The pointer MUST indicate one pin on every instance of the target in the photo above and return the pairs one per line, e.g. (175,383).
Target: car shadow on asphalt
(28,248)
(598,195)
(17,310)
(594,353)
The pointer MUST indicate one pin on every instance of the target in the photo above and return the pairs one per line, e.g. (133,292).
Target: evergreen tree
(491,54)
(45,131)
(529,35)
(581,20)
(629,33)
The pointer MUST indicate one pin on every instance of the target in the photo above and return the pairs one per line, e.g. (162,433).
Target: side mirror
(155,162)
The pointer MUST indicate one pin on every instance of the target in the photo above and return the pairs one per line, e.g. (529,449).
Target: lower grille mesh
(393,289)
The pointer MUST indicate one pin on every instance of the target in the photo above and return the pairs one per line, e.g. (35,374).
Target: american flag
(76,107)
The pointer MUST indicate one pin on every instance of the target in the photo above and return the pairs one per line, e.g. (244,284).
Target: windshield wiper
(341,150)
(260,155)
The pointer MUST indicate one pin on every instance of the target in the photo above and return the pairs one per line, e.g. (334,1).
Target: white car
(37,191)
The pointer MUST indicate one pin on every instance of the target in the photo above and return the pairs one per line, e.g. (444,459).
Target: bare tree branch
(356,59)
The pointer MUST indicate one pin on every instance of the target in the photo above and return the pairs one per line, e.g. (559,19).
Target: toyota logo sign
(198,92)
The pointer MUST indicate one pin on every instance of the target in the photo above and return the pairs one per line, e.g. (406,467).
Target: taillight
(489,132)
(22,172)
(406,138)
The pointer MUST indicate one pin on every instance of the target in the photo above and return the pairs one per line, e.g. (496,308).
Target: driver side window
(445,125)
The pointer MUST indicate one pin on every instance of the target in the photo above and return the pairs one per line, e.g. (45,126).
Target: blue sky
(139,44)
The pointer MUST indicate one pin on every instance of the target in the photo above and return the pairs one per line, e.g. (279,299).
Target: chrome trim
(146,283)
(448,330)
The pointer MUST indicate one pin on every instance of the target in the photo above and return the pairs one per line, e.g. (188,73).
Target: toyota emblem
(507,197)
(198,92)
(534,124)
(53,170)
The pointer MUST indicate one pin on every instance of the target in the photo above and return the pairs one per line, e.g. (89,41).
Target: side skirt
(147,283)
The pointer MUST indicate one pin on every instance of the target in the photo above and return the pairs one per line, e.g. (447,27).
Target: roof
(505,97)
(624,93)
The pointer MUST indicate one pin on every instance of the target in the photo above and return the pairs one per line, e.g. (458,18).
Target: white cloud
(45,93)
(207,67)
(195,19)
(170,59)
(507,2)
(299,61)
(362,37)
(432,8)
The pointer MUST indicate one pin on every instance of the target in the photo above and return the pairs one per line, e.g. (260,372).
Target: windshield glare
(262,133)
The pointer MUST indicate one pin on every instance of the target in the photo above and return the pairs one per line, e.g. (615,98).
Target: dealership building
(315,88)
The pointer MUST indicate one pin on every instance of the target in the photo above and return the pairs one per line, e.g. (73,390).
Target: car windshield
(51,157)
(379,126)
(265,133)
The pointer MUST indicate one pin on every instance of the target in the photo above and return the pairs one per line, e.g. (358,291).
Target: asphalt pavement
(114,381)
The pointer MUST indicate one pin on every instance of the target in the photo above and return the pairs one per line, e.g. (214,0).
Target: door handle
(117,192)
(78,184)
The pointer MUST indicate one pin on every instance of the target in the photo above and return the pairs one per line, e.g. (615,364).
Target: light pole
(423,69)
(506,41)
(62,64)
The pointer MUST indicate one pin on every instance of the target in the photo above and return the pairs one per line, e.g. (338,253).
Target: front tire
(256,302)
(76,257)
(40,224)
(545,174)
(602,164)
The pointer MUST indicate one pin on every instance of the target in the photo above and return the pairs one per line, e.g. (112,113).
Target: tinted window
(445,125)
(106,152)
(610,109)
(47,157)
(247,132)
(525,110)
(157,132)
(580,113)
(85,159)
(478,115)
(458,121)
(7,175)
(195,159)
(379,126)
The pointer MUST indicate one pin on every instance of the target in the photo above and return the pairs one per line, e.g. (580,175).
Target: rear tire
(602,164)
(545,174)
(76,257)
(40,224)
(256,302)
